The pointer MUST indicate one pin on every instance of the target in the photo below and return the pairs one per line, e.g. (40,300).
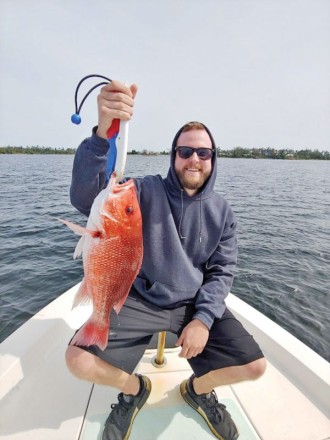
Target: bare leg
(229,375)
(86,366)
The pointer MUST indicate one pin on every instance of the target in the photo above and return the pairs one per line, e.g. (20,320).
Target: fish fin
(79,248)
(119,304)
(92,333)
(82,296)
(80,230)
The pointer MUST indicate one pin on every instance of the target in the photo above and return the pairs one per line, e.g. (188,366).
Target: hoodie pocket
(164,294)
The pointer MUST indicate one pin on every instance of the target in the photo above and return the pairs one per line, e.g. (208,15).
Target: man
(190,252)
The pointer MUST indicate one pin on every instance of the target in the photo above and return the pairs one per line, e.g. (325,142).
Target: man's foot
(214,413)
(119,423)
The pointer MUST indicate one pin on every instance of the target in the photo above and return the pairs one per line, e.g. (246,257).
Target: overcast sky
(256,72)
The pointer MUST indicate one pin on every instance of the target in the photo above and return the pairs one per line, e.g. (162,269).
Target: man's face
(193,172)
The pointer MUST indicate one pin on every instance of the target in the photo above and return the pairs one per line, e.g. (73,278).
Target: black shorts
(229,344)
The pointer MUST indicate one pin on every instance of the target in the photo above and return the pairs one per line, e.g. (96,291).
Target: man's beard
(193,184)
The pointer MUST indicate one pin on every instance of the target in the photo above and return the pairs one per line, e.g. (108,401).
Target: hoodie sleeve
(218,276)
(89,172)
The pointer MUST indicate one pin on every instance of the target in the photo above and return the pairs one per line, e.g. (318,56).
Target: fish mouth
(114,191)
(115,187)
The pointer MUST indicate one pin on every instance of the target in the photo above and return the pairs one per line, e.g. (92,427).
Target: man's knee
(255,369)
(79,362)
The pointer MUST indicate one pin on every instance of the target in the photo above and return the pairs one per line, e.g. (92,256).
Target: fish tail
(92,333)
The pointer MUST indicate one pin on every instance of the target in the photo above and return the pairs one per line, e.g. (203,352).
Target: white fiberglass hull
(41,400)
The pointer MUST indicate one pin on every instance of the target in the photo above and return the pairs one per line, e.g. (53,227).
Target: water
(283,212)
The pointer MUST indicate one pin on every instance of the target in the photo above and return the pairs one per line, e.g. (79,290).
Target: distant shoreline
(235,153)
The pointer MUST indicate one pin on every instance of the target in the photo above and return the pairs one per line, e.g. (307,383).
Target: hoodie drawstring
(200,218)
(181,218)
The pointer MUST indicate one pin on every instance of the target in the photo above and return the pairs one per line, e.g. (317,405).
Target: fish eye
(129,210)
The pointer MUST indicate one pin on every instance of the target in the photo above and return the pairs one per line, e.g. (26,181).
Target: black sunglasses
(202,153)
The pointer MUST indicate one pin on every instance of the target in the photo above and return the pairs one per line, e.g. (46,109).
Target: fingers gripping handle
(117,133)
(118,141)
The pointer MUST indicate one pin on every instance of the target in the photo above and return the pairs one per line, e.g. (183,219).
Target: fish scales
(112,249)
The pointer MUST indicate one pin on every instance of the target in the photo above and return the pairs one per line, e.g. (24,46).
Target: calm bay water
(283,211)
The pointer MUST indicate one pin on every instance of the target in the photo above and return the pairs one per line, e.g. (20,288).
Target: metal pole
(160,359)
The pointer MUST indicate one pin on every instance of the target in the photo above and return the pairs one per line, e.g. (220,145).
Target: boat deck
(41,400)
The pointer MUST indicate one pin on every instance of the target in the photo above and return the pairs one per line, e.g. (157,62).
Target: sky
(256,72)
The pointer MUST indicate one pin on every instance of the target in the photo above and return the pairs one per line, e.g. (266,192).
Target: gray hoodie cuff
(98,145)
(205,318)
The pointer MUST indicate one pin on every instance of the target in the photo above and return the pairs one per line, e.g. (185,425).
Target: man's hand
(193,339)
(115,101)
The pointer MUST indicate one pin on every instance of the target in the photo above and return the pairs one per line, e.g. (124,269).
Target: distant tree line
(36,150)
(238,152)
(272,153)
(256,153)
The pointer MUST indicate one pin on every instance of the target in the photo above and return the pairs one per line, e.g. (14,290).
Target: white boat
(41,400)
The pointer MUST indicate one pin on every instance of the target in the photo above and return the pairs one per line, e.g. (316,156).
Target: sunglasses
(202,153)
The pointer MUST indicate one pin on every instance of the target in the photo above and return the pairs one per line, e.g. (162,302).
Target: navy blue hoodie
(190,247)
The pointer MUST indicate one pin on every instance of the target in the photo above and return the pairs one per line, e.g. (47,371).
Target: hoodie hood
(180,200)
(172,178)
